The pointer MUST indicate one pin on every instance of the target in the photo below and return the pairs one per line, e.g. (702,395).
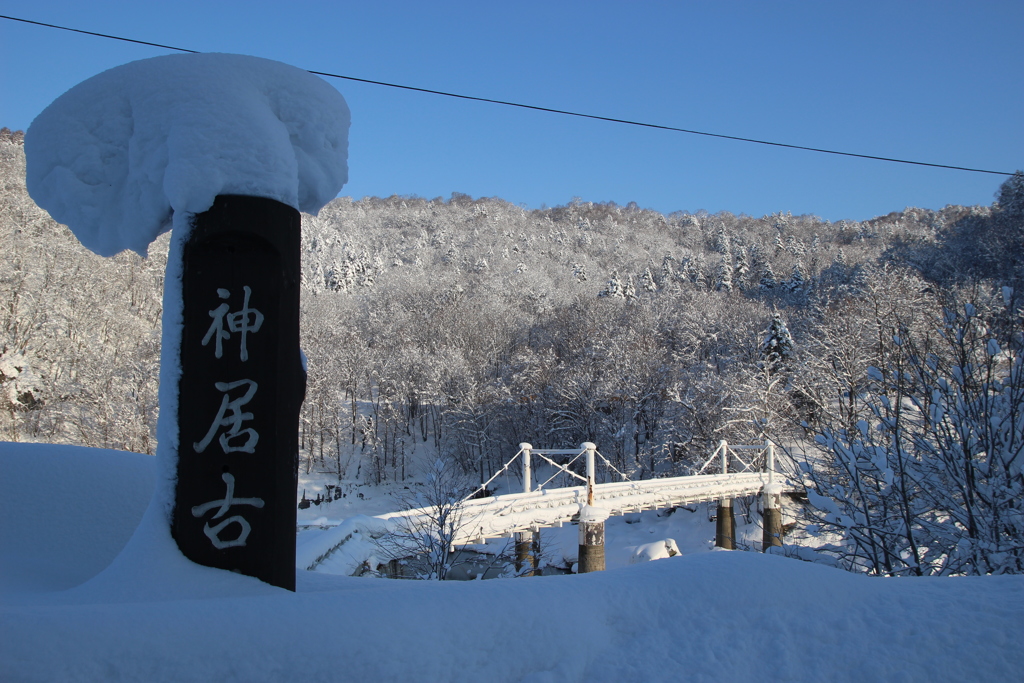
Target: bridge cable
(483,486)
(612,467)
(709,461)
(561,469)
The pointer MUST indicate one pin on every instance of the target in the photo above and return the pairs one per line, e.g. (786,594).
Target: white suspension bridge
(732,471)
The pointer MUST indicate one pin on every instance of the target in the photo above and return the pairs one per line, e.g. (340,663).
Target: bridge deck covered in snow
(503,515)
(742,471)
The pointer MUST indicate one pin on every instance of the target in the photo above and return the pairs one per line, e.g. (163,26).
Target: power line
(100,35)
(539,108)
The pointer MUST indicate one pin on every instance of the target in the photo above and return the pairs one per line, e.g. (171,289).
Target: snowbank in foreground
(66,512)
(717,616)
(116,154)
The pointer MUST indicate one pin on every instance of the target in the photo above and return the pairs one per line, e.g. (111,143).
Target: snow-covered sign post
(226,150)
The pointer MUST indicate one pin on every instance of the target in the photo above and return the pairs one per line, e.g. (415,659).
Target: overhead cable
(539,108)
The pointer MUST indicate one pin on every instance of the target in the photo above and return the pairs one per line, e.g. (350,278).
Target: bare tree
(426,532)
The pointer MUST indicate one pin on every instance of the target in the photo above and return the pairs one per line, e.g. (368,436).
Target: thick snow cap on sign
(115,155)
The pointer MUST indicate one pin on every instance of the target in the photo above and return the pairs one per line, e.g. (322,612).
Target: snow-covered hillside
(711,616)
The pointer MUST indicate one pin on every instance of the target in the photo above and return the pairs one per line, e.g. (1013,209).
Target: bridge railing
(735,458)
(526,454)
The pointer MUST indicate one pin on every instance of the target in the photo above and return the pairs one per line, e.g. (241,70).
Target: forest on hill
(470,325)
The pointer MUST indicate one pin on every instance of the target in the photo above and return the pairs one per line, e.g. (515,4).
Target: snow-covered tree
(722,241)
(723,274)
(929,480)
(1008,224)
(440,498)
(629,290)
(794,246)
(777,345)
(20,388)
(647,283)
(796,281)
(741,273)
(668,271)
(614,288)
(698,272)
(779,246)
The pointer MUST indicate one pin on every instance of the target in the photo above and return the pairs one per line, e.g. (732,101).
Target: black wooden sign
(241,388)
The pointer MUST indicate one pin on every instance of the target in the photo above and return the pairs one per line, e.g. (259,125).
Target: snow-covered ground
(80,604)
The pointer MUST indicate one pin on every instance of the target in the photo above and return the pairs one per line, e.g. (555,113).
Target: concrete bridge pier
(725,525)
(771,533)
(591,554)
(527,552)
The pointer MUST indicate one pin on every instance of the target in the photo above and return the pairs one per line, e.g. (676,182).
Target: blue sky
(934,81)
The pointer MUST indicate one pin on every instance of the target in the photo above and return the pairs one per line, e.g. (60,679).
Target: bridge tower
(527,542)
(771,532)
(591,553)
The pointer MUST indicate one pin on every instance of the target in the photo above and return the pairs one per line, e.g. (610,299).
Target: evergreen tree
(723,277)
(647,283)
(768,280)
(629,291)
(794,246)
(367,269)
(777,347)
(614,287)
(1010,200)
(721,244)
(756,259)
(742,271)
(667,270)
(779,246)
(699,276)
(1008,227)
(339,277)
(796,279)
